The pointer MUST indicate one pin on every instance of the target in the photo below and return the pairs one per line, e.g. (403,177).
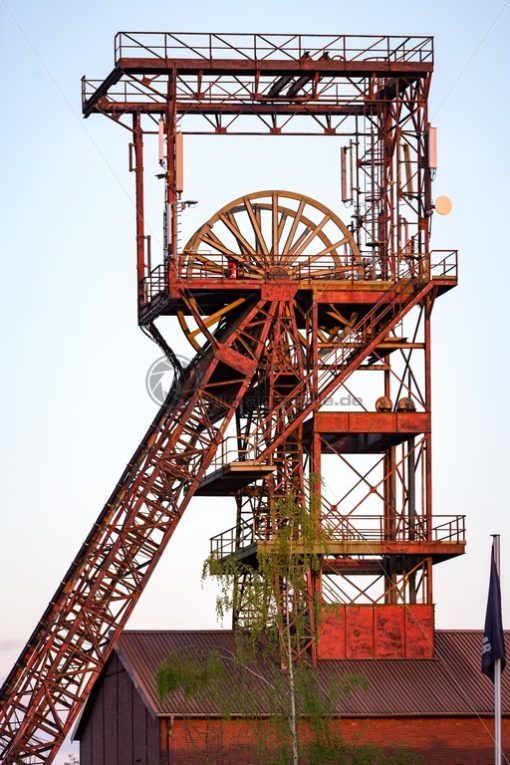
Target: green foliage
(278,581)
(373,755)
(221,682)
(188,672)
(298,705)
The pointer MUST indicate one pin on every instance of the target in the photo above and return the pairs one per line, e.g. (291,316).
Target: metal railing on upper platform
(209,265)
(396,528)
(440,264)
(443,264)
(369,529)
(263,47)
(231,449)
(232,540)
(155,283)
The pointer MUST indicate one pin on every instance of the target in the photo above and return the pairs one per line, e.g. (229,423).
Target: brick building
(440,707)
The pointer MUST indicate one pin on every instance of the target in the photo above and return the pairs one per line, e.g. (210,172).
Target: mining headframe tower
(288,306)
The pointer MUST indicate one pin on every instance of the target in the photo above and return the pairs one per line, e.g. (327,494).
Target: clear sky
(72,393)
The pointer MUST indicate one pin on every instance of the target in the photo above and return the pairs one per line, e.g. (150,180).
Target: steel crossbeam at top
(216,75)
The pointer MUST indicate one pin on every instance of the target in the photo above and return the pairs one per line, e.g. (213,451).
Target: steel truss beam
(43,694)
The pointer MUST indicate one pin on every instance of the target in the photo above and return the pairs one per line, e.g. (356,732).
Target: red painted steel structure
(287,308)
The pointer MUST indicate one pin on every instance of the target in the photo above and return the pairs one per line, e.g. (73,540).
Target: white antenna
(161,142)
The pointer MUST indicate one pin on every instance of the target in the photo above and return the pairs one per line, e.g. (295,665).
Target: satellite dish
(443,205)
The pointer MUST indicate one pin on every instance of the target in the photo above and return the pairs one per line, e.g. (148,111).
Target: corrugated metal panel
(449,684)
(142,653)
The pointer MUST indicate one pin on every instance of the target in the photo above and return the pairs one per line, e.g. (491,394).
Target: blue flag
(493,645)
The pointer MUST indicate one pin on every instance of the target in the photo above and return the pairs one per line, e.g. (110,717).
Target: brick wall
(441,741)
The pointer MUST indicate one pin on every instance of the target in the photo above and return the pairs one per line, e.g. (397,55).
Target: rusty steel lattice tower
(312,341)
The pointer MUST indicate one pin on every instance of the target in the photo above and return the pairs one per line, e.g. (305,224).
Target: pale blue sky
(73,401)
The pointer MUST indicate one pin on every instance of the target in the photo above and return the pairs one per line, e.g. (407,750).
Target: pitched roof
(449,684)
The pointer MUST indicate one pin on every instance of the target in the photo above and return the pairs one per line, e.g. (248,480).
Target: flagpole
(497,677)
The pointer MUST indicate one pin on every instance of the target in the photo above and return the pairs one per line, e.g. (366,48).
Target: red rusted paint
(389,637)
(359,628)
(381,631)
(278,291)
(371,422)
(419,631)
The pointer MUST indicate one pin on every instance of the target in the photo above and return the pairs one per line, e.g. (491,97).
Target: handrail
(437,264)
(263,47)
(374,529)
(440,264)
(446,267)
(217,266)
(155,283)
(232,539)
(229,450)
(395,528)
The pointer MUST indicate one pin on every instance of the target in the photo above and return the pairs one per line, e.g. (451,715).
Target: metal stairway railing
(337,364)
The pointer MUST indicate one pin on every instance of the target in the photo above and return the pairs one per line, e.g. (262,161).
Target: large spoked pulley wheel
(266,235)
(272,234)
